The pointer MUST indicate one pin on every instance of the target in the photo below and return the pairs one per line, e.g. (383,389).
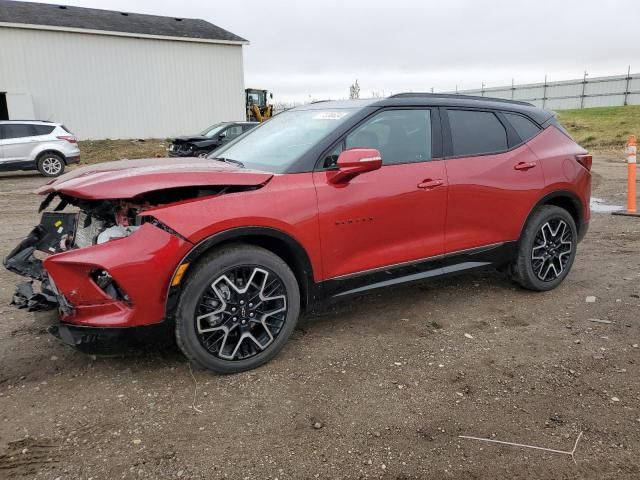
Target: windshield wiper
(229,160)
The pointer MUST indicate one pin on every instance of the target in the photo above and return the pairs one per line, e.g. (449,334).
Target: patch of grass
(95,151)
(602,129)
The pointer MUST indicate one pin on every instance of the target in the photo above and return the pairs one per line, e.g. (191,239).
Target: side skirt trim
(436,272)
(495,255)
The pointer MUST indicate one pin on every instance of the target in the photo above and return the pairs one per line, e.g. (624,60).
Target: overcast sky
(303,49)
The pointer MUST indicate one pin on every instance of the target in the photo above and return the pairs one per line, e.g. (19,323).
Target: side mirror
(222,135)
(355,161)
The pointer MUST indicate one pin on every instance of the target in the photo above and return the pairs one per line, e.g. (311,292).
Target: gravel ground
(380,386)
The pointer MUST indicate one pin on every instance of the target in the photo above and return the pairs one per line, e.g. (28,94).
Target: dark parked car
(320,202)
(205,142)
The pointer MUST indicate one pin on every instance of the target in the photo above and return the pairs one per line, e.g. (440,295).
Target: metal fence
(586,92)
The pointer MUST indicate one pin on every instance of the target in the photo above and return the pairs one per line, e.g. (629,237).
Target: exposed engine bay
(92,222)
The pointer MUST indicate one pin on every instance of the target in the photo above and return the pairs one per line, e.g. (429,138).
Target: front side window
(401,136)
(476,132)
(213,130)
(276,144)
(17,130)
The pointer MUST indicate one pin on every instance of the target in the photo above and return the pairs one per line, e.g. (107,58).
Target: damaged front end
(100,256)
(98,271)
(96,222)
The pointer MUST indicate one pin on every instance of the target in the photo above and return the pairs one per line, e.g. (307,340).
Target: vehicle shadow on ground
(158,348)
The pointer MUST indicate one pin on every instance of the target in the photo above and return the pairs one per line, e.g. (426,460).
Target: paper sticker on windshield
(329,115)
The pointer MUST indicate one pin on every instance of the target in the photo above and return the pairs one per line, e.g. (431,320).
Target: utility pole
(482,90)
(544,92)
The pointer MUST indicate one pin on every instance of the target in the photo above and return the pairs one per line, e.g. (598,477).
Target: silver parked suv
(37,145)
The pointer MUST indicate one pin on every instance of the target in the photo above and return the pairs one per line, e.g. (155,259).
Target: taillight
(68,138)
(585,161)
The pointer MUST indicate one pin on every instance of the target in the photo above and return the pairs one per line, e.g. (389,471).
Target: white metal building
(107,74)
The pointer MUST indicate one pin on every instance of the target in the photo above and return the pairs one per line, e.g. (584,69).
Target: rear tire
(237,309)
(51,165)
(546,250)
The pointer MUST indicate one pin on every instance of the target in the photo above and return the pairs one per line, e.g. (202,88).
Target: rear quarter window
(524,127)
(43,129)
(476,132)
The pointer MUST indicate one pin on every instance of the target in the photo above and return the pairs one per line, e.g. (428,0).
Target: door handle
(428,184)
(524,165)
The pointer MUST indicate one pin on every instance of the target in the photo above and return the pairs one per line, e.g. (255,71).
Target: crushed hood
(129,178)
(193,138)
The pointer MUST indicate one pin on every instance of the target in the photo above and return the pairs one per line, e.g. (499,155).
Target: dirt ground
(391,378)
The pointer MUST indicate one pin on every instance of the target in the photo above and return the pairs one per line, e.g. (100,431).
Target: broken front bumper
(138,267)
(51,236)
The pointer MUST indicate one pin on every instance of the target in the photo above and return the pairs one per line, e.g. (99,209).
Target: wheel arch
(276,241)
(565,199)
(39,155)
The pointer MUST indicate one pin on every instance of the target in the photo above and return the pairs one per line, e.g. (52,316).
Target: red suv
(322,201)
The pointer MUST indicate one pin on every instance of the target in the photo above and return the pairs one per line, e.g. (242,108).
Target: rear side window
(17,130)
(43,129)
(401,136)
(524,127)
(474,132)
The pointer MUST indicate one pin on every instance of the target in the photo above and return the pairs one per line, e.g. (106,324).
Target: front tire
(51,165)
(546,250)
(237,309)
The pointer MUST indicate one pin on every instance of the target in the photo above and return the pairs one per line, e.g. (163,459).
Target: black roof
(437,100)
(456,95)
(111,21)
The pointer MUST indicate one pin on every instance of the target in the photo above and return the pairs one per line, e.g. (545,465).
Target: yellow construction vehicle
(258,108)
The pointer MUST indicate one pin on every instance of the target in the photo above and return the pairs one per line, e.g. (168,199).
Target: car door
(18,141)
(494,179)
(392,215)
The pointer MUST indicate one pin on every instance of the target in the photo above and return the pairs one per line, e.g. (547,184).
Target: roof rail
(28,120)
(456,95)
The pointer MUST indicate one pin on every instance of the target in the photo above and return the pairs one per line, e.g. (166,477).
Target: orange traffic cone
(632,150)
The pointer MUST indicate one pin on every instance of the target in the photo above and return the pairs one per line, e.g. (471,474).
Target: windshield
(277,143)
(213,130)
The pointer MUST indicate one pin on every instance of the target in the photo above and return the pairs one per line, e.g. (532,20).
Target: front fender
(287,203)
